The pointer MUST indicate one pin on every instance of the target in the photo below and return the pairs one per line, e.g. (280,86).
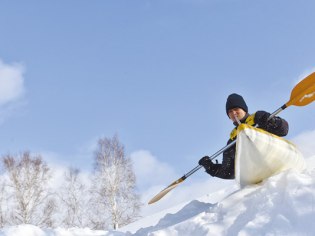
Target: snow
(284,204)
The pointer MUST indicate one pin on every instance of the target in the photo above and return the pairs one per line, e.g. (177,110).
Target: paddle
(302,94)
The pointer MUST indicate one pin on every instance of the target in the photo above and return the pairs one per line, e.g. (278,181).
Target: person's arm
(224,170)
(275,125)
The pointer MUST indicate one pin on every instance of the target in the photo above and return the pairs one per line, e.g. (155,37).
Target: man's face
(236,112)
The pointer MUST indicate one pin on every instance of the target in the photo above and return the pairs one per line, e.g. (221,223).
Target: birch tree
(28,182)
(75,196)
(115,200)
(3,201)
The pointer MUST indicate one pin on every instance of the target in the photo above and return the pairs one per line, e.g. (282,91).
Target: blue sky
(157,73)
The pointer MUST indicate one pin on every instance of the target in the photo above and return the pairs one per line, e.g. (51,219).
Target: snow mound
(190,210)
(282,205)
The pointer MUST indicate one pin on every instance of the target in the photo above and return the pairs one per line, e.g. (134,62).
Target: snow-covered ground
(284,204)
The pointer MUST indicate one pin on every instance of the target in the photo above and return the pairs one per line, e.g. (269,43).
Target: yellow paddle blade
(304,92)
(166,190)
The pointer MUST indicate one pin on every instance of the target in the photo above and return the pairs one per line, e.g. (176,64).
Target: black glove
(210,167)
(261,119)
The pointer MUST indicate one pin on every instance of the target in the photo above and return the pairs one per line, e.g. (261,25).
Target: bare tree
(74,196)
(115,200)
(3,201)
(28,182)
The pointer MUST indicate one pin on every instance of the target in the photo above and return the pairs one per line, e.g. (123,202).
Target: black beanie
(234,100)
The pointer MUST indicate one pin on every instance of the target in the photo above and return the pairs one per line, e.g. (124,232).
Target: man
(237,111)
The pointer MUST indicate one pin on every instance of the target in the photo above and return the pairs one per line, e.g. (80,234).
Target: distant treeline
(105,199)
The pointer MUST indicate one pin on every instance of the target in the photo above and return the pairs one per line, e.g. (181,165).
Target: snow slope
(284,204)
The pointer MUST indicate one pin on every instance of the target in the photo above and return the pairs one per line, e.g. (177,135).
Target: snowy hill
(282,205)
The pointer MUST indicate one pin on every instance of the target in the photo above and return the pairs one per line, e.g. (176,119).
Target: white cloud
(153,176)
(305,142)
(11,89)
(303,75)
(150,171)
(11,82)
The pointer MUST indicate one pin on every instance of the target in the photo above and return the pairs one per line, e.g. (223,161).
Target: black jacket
(276,125)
